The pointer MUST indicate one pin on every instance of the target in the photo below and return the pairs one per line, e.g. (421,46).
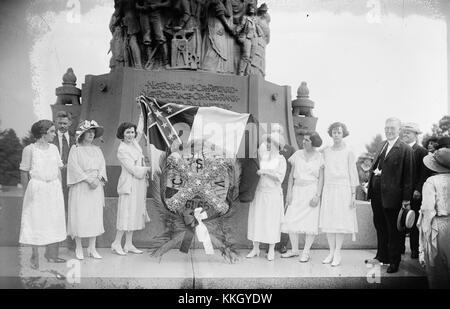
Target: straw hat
(405,219)
(443,142)
(275,138)
(439,161)
(366,155)
(411,126)
(85,126)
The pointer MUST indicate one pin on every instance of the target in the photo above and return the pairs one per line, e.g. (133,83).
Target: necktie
(64,149)
(382,156)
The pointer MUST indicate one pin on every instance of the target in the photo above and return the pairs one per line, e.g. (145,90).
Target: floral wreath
(198,184)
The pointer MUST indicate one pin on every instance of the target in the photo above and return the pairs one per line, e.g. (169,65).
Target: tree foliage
(373,147)
(10,156)
(442,128)
(28,139)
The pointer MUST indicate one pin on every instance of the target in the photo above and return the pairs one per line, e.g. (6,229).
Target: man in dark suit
(390,189)
(63,141)
(287,151)
(409,134)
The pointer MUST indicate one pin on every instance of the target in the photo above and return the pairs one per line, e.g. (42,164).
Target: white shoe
(289,254)
(305,257)
(79,253)
(117,249)
(336,260)
(93,253)
(328,259)
(271,255)
(132,249)
(253,253)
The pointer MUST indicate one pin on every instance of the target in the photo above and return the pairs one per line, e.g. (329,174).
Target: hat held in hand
(405,219)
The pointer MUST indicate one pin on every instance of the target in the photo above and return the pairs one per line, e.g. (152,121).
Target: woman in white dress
(338,212)
(434,220)
(86,176)
(132,189)
(303,196)
(43,215)
(266,211)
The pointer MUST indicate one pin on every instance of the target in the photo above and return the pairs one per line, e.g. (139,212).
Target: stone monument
(68,98)
(302,107)
(190,52)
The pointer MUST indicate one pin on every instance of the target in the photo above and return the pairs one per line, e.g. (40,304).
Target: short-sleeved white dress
(300,217)
(340,175)
(43,215)
(266,211)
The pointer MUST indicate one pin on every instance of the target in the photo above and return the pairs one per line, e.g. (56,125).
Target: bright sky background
(358,72)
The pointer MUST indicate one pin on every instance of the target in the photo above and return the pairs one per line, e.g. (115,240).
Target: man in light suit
(409,134)
(63,141)
(390,188)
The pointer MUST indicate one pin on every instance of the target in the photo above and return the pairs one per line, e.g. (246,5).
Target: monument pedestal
(110,99)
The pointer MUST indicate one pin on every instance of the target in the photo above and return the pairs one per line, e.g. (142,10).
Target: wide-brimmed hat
(439,161)
(366,155)
(405,219)
(88,125)
(443,142)
(411,126)
(274,138)
(263,8)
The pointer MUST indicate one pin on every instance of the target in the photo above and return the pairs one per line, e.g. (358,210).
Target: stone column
(302,114)
(68,98)
(445,10)
(447,17)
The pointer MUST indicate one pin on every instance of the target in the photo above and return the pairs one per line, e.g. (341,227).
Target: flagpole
(140,129)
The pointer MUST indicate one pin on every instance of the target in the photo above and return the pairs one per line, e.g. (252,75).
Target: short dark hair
(335,125)
(64,114)
(316,140)
(123,127)
(431,139)
(40,128)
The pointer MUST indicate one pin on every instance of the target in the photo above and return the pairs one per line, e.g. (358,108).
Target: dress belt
(43,180)
(303,183)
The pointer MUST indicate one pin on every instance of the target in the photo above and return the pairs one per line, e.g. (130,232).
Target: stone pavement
(196,270)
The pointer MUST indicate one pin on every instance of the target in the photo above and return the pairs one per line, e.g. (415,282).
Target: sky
(364,61)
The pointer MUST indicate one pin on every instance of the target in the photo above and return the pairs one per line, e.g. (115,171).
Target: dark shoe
(393,268)
(70,243)
(283,249)
(34,260)
(414,255)
(377,259)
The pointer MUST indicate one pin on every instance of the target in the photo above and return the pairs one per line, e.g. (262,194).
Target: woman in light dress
(86,176)
(266,211)
(43,215)
(132,189)
(303,196)
(338,209)
(434,220)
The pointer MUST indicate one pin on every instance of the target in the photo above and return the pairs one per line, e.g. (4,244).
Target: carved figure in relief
(249,33)
(218,52)
(152,26)
(263,20)
(126,17)
(117,43)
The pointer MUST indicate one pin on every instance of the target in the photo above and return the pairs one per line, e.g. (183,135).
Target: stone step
(196,270)
(11,210)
